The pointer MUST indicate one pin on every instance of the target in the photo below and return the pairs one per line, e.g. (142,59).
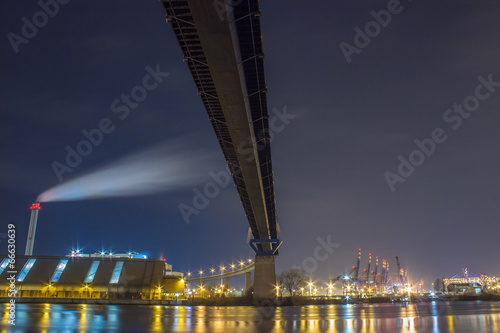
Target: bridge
(222,46)
(246,270)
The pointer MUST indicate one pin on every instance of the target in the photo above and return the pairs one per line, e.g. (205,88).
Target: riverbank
(248,301)
(37,300)
(299,300)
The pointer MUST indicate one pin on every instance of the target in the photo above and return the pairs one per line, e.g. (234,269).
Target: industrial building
(470,284)
(374,282)
(101,275)
(91,276)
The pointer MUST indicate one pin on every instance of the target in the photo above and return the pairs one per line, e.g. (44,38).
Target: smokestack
(31,232)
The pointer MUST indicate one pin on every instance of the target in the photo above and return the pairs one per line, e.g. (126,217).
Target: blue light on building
(59,269)
(91,273)
(116,272)
(4,264)
(27,267)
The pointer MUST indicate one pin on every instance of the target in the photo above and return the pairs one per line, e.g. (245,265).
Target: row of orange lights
(223,268)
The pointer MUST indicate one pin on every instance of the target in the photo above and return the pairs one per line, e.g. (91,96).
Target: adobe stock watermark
(11,273)
(424,311)
(454,117)
(266,308)
(265,311)
(372,29)
(121,107)
(223,6)
(322,252)
(40,19)
(278,121)
(435,307)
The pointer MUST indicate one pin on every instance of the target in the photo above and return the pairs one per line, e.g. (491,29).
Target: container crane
(384,268)
(357,267)
(400,279)
(369,264)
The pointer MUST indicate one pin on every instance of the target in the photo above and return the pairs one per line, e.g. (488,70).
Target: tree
(290,281)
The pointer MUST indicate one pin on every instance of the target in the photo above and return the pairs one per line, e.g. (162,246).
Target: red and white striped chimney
(31,232)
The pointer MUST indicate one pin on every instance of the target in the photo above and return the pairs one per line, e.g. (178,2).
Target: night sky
(352,122)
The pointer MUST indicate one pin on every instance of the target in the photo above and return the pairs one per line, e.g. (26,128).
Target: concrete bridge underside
(222,46)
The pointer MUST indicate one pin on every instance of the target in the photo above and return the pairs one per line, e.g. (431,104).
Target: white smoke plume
(168,166)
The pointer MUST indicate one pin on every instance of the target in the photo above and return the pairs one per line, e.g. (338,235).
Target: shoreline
(247,301)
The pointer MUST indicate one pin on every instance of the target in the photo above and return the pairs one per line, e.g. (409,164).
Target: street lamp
(48,289)
(277,290)
(310,288)
(222,268)
(302,290)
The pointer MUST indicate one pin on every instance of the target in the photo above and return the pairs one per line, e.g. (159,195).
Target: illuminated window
(27,267)
(59,269)
(91,273)
(4,264)
(116,272)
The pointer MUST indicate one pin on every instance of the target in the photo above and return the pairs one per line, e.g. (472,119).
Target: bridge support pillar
(248,281)
(264,277)
(227,284)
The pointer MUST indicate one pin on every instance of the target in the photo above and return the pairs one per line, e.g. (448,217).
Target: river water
(421,317)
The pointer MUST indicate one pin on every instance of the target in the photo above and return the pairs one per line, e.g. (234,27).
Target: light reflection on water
(436,317)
